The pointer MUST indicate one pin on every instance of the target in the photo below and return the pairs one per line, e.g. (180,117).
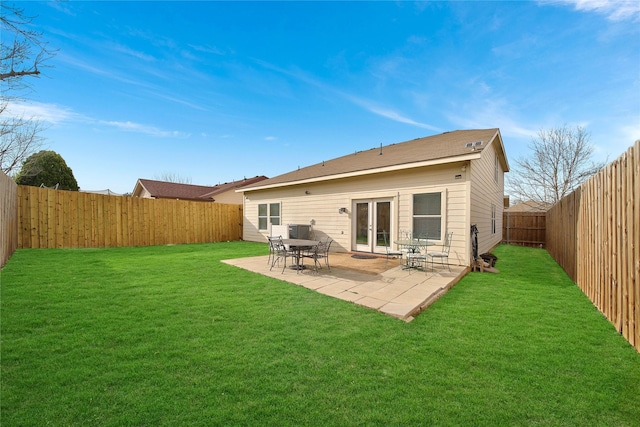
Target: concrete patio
(395,291)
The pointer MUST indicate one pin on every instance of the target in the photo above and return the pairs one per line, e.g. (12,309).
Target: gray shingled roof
(430,148)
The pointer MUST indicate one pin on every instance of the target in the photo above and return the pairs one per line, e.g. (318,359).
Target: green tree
(47,168)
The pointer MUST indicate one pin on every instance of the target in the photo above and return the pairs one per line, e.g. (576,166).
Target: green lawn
(171,336)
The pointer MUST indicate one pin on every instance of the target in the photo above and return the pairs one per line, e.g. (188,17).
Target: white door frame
(365,224)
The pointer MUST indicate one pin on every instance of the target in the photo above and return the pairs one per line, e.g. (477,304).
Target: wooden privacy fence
(8,218)
(69,219)
(594,234)
(524,228)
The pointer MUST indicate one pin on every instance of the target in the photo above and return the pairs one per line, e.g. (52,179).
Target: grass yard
(171,336)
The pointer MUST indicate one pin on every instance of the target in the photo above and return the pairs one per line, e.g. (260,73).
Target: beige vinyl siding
(485,193)
(229,197)
(320,206)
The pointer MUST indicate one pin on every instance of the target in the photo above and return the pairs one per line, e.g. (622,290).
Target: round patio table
(412,246)
(298,245)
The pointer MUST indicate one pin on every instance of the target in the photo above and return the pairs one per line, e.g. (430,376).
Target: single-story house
(428,186)
(221,193)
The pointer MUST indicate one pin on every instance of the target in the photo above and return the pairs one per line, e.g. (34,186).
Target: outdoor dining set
(416,252)
(298,250)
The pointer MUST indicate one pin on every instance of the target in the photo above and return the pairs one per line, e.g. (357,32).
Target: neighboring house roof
(173,190)
(230,186)
(106,192)
(529,206)
(443,148)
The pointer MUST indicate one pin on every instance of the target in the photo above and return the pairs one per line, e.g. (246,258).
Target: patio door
(371,218)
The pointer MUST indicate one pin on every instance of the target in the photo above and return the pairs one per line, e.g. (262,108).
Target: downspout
(397,230)
(468,245)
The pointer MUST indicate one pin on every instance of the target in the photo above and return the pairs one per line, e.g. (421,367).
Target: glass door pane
(362,224)
(383,223)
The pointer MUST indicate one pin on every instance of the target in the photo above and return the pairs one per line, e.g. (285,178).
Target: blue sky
(219,91)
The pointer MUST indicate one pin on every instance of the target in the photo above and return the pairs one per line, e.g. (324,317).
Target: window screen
(427,215)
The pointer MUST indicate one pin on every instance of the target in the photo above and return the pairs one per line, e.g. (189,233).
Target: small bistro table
(412,246)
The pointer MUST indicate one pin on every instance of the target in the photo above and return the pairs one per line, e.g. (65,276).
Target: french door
(372,219)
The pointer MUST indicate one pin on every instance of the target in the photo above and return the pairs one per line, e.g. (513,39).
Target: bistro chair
(319,252)
(325,254)
(272,247)
(444,253)
(280,251)
(405,235)
(387,245)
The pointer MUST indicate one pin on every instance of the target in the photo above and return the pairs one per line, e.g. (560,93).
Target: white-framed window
(493,219)
(268,213)
(496,168)
(427,215)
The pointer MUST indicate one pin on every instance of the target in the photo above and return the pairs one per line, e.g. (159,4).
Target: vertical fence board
(601,240)
(623,319)
(23,223)
(610,252)
(9,228)
(636,244)
(620,249)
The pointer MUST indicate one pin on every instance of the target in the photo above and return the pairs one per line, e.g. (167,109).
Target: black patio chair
(272,247)
(319,252)
(280,252)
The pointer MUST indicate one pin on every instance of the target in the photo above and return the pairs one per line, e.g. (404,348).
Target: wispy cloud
(366,104)
(53,114)
(61,7)
(117,47)
(49,113)
(100,70)
(387,113)
(516,48)
(207,49)
(145,129)
(492,114)
(630,134)
(614,10)
(178,101)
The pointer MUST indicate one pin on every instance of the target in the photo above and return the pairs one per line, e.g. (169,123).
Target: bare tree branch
(18,74)
(19,138)
(560,162)
(22,54)
(173,177)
